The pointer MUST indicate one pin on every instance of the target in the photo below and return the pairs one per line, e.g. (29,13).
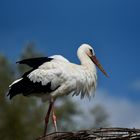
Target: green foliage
(6,73)
(20,118)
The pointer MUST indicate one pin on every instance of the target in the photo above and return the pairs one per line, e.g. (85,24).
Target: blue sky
(59,27)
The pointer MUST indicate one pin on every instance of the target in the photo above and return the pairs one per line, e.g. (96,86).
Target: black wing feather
(27,87)
(35,62)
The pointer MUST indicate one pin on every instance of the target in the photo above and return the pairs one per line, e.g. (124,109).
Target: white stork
(51,77)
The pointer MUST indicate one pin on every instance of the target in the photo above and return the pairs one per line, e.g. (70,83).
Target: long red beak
(96,62)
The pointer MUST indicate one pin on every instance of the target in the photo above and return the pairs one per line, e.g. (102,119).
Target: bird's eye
(91,51)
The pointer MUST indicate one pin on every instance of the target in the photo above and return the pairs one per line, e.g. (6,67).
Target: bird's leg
(47,116)
(54,119)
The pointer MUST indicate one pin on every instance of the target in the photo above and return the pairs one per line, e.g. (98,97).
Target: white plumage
(56,76)
(70,78)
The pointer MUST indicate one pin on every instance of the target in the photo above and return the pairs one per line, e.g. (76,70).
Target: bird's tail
(16,88)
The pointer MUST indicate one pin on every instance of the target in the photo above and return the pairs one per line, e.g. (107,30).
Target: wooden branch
(96,134)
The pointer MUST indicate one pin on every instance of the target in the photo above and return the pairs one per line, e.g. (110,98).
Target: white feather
(15,82)
(70,78)
(59,57)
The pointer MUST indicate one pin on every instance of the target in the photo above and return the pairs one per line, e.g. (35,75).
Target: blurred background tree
(19,115)
(23,118)
(100,116)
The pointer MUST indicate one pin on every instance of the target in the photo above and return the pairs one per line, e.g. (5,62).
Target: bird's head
(89,51)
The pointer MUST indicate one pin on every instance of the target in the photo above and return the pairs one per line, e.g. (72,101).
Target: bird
(55,76)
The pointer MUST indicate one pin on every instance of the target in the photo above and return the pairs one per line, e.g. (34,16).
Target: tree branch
(94,134)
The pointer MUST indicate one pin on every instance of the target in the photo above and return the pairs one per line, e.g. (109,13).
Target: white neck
(85,60)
